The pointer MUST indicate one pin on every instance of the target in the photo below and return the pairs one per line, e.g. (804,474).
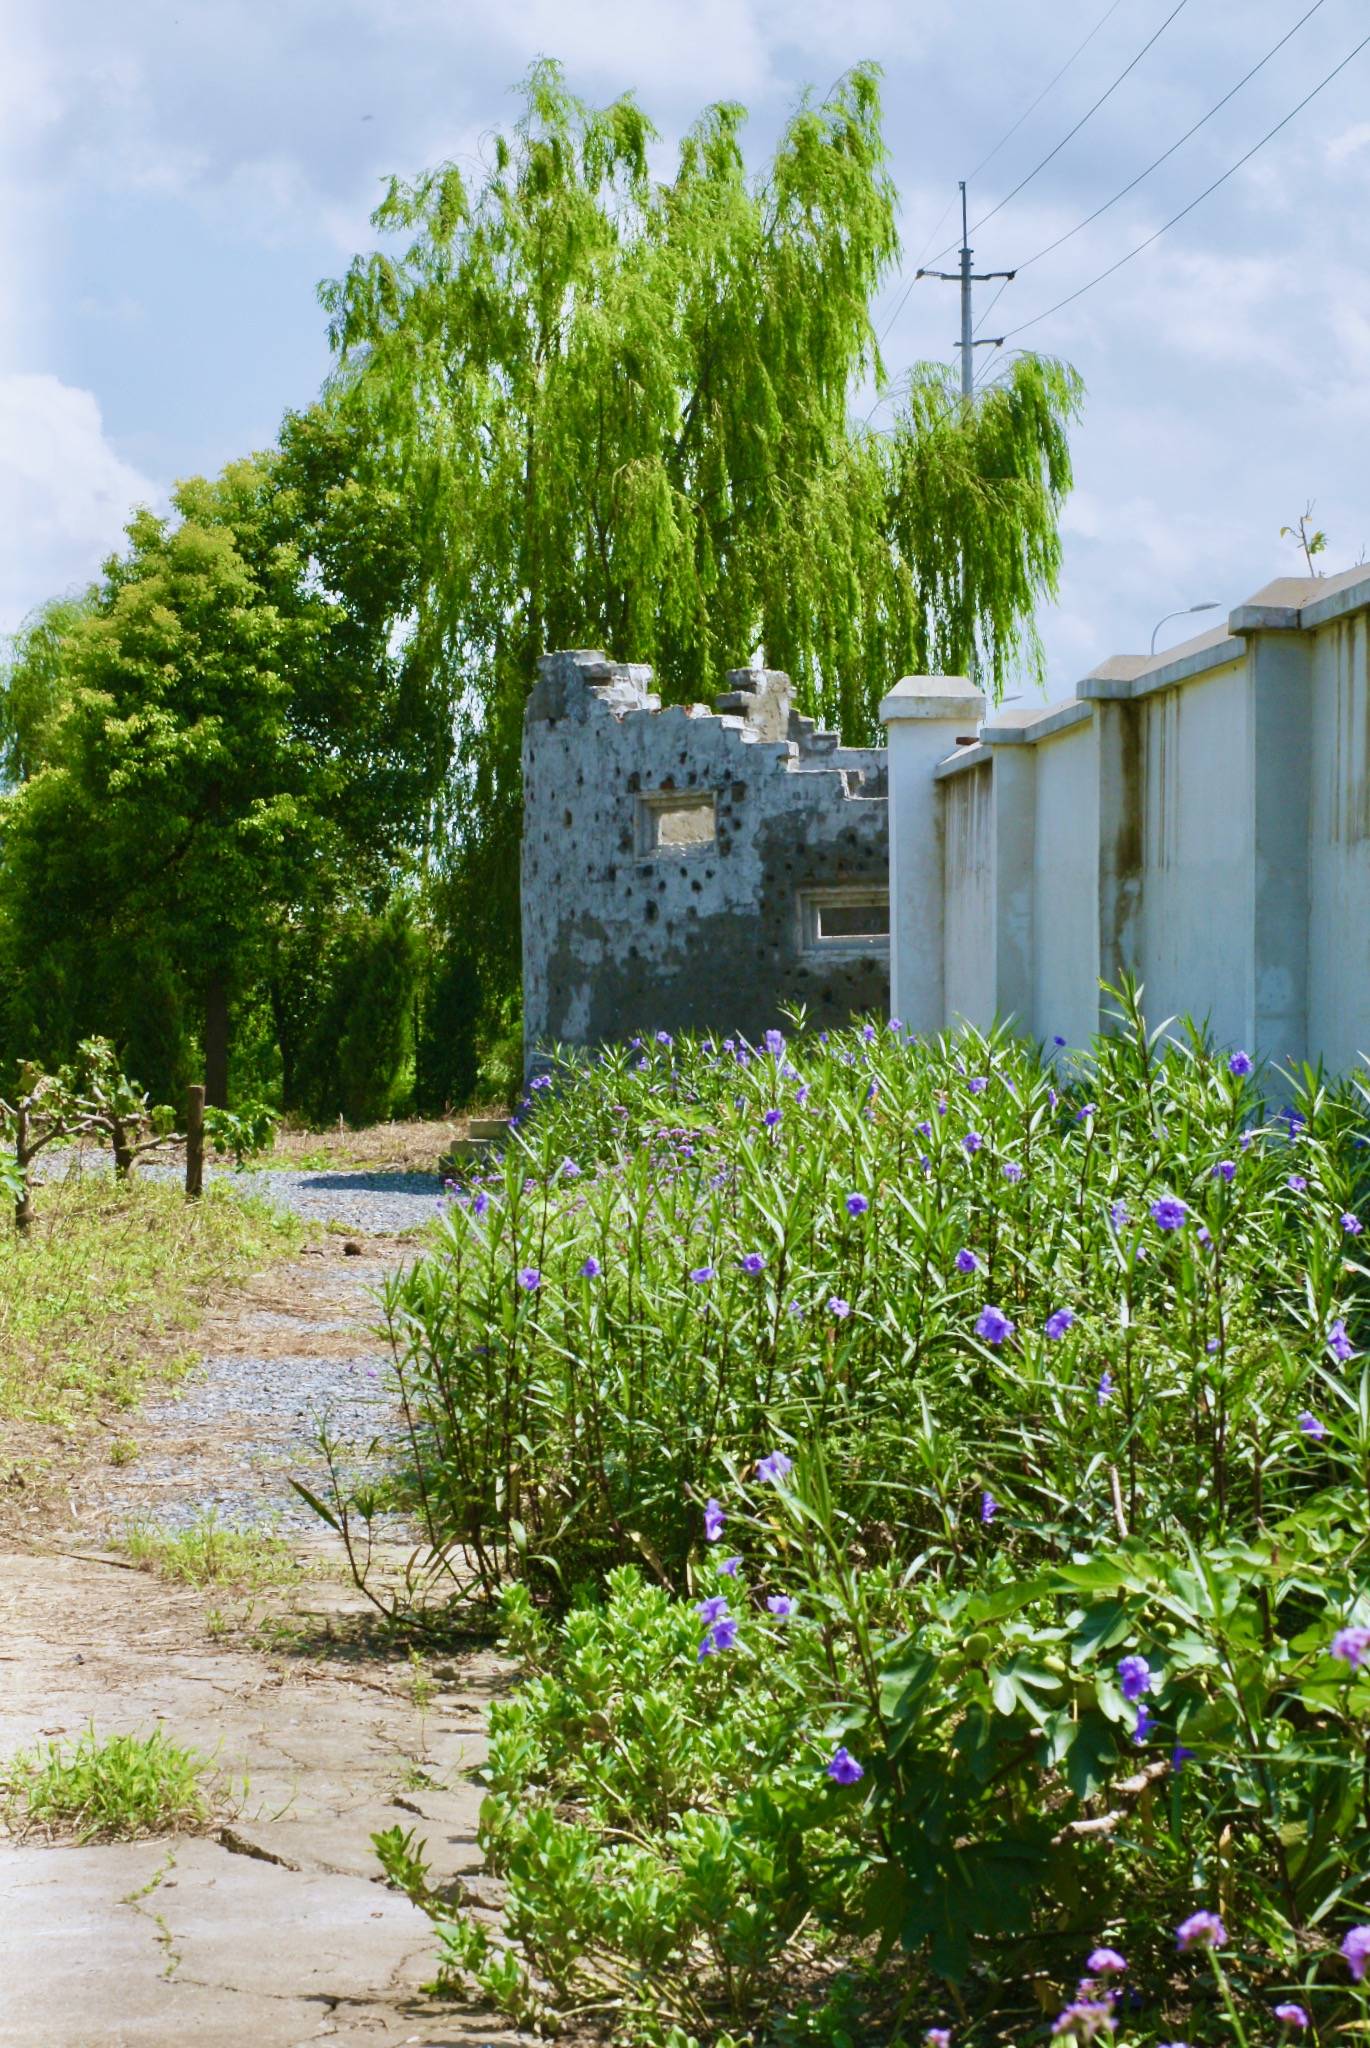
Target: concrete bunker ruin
(688,869)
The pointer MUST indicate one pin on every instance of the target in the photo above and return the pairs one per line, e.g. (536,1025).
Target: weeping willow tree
(621,410)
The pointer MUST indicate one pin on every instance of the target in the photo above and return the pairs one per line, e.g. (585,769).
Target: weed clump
(112,1789)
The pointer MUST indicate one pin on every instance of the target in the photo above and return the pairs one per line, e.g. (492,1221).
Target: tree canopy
(210,754)
(623,409)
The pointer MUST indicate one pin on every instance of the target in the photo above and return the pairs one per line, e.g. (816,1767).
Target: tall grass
(107,1274)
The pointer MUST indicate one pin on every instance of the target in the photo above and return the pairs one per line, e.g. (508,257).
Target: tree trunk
(123,1149)
(216,1041)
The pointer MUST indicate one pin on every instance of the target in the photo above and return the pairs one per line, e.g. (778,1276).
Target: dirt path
(271,1930)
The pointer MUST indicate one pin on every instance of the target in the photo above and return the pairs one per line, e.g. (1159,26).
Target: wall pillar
(1279,662)
(1013,787)
(923,716)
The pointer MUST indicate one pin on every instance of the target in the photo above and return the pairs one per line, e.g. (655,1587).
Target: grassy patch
(210,1553)
(112,1790)
(104,1277)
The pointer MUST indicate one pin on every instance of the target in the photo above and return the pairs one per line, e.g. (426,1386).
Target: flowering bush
(975,1456)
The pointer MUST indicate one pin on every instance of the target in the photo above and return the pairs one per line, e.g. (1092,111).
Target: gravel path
(373,1202)
(297,1349)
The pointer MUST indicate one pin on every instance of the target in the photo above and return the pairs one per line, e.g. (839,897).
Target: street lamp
(1210,606)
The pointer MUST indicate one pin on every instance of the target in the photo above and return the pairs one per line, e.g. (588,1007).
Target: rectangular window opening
(846,919)
(676,822)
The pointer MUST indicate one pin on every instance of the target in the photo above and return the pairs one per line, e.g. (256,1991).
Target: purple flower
(1118,1216)
(1056,1038)
(1180,1756)
(839,1308)
(977,1084)
(1134,1676)
(480,1203)
(796,1308)
(1351,1646)
(780,1605)
(1012,1170)
(721,1636)
(868,1033)
(753,1263)
(1291,2015)
(1169,1213)
(1240,1064)
(896,1023)
(1058,1322)
(591,1268)
(663,1038)
(771,1119)
(773,1468)
(714,1519)
(801,1094)
(1226,1169)
(1146,1721)
(989,1507)
(1352,1225)
(1211,1346)
(700,1274)
(937,2037)
(1338,1343)
(1084,2018)
(569,1170)
(1200,1930)
(924,1129)
(730,1567)
(966,1262)
(1310,1425)
(529,1279)
(1204,1235)
(993,1325)
(713,1609)
(1296,1183)
(1103,1393)
(857,1205)
(843,1768)
(972,1142)
(1105,1962)
(1356,1949)
(1086,1110)
(775,1044)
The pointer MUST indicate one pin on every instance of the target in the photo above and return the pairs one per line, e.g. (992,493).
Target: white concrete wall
(968,879)
(1200,820)
(1066,887)
(1196,880)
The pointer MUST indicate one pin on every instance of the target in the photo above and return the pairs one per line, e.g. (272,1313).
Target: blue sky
(179,174)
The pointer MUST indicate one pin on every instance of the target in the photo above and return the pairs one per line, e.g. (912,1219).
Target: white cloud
(64,491)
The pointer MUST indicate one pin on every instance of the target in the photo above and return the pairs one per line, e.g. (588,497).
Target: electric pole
(966,277)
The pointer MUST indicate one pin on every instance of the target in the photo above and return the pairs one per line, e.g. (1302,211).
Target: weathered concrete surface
(315,1746)
(676,863)
(273,1926)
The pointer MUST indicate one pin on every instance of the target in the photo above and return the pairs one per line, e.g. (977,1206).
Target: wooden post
(195,1141)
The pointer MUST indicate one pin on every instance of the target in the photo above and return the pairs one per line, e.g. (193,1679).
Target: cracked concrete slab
(273,1927)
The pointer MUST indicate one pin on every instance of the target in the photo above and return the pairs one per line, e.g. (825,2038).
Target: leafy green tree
(232,747)
(620,412)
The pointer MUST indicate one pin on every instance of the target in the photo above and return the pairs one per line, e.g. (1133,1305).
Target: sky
(177,176)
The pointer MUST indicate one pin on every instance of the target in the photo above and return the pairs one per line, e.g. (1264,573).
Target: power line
(1078,51)
(1088,115)
(1156,163)
(1231,171)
